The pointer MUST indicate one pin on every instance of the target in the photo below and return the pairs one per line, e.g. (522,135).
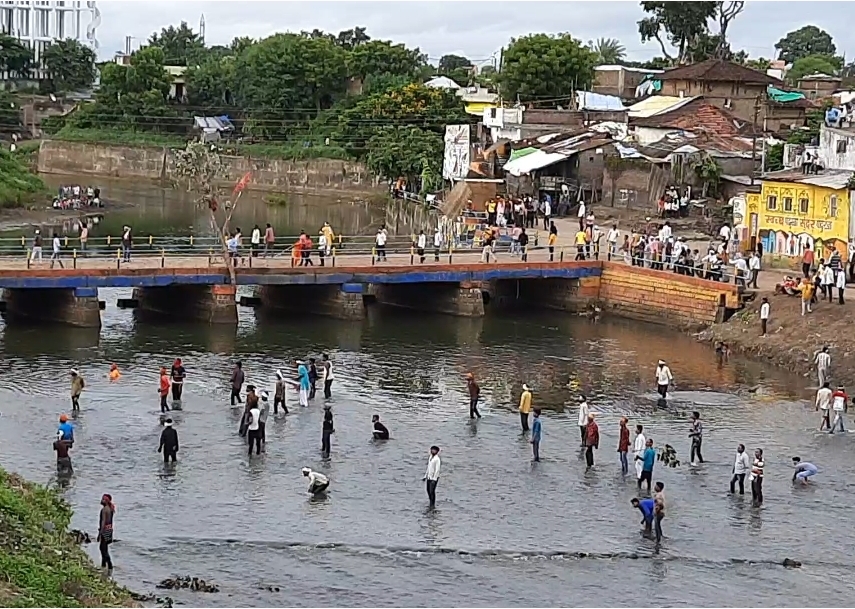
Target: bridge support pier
(336,301)
(77,307)
(214,304)
(461,299)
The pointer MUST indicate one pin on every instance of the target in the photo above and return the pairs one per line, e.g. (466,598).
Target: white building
(38,23)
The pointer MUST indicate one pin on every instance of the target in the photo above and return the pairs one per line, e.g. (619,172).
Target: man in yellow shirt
(491,213)
(807,294)
(525,407)
(581,242)
(553,237)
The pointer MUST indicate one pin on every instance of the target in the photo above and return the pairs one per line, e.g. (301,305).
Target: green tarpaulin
(516,154)
(783,97)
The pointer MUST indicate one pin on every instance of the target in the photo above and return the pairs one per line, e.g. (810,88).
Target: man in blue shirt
(645,506)
(66,430)
(803,471)
(536,434)
(305,383)
(647,460)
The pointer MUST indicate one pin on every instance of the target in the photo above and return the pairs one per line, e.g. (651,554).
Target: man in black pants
(474,395)
(237,379)
(432,475)
(168,442)
(697,436)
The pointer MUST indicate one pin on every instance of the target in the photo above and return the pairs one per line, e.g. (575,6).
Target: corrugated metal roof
(656,104)
(442,82)
(614,68)
(834,179)
(587,100)
(532,162)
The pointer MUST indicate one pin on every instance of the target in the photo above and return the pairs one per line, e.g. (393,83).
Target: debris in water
(791,564)
(188,583)
(80,536)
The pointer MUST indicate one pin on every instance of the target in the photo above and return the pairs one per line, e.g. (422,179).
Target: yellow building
(794,211)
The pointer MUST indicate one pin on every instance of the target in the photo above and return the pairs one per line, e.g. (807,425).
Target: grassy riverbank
(19,186)
(40,563)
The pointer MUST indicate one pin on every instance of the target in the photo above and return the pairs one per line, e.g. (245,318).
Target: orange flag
(242,183)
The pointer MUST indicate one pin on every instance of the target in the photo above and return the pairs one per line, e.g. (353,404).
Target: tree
(679,22)
(609,51)
(812,64)
(351,39)
(809,40)
(706,46)
(70,65)
(726,12)
(761,63)
(16,58)
(449,63)
(180,45)
(402,151)
(544,66)
(377,57)
(211,83)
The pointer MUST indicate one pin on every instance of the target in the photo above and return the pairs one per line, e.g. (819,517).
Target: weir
(338,301)
(77,307)
(213,304)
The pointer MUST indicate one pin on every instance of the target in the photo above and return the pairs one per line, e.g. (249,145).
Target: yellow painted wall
(786,230)
(477,108)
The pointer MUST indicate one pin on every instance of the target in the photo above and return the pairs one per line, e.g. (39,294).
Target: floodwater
(506,532)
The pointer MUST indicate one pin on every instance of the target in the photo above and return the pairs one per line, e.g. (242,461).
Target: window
(832,206)
(42,25)
(804,205)
(788,203)
(772,203)
(24,22)
(841,146)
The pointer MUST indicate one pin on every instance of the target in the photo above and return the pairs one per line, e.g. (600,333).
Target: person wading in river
(327,375)
(474,395)
(823,405)
(697,436)
(381,432)
(592,440)
(305,383)
(63,460)
(236,381)
(105,531)
(648,460)
(318,483)
(664,378)
(431,477)
(279,394)
(77,385)
(178,374)
(741,466)
(168,442)
(536,434)
(253,426)
(638,447)
(823,366)
(313,377)
(623,446)
(163,390)
(658,510)
(756,478)
(583,419)
(525,407)
(327,430)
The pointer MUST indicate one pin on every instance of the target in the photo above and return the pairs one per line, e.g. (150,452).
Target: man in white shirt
(741,466)
(547,213)
(380,242)
(840,284)
(57,250)
(665,232)
(764,316)
(638,447)
(581,215)
(421,243)
(741,270)
(437,243)
(255,240)
(432,474)
(584,411)
(754,269)
(823,406)
(823,366)
(318,483)
(254,429)
(612,239)
(724,234)
(663,378)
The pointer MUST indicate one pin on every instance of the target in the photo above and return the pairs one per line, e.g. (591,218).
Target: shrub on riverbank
(40,562)
(18,185)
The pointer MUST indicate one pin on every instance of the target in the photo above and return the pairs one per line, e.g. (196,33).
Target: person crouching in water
(168,442)
(163,390)
(381,432)
(318,483)
(63,460)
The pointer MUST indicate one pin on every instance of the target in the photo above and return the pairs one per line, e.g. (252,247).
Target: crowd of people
(77,197)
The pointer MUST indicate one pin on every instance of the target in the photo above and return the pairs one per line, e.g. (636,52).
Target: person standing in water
(168,442)
(803,470)
(697,435)
(327,375)
(381,432)
(327,430)
(474,395)
(318,483)
(253,428)
(823,366)
(741,466)
(823,405)
(237,380)
(658,509)
(623,446)
(647,463)
(583,419)
(536,434)
(525,407)
(664,378)
(178,373)
(163,390)
(77,385)
(63,460)
(431,477)
(114,375)
(305,384)
(313,377)
(66,430)
(592,440)
(638,447)
(105,531)
(840,405)
(264,410)
(756,478)
(279,394)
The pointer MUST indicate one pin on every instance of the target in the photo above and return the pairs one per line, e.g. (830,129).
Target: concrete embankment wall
(157,163)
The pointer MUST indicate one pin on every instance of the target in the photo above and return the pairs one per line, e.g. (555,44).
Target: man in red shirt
(623,446)
(164,390)
(592,440)
(807,262)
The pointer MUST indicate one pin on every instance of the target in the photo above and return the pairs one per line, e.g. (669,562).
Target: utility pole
(754,139)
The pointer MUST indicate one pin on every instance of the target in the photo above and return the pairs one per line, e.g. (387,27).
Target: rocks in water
(269,588)
(791,564)
(80,536)
(188,583)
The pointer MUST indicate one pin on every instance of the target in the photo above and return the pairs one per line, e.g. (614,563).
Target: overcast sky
(474,29)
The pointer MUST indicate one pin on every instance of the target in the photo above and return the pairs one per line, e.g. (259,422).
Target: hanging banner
(455,164)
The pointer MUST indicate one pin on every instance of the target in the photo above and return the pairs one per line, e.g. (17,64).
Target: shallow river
(505,531)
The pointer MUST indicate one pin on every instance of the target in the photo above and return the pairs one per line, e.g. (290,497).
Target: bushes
(18,185)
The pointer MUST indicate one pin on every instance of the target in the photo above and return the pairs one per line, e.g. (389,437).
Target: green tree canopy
(609,51)
(808,40)
(15,57)
(181,46)
(70,65)
(396,151)
(680,23)
(376,57)
(542,66)
(456,67)
(812,64)
(210,84)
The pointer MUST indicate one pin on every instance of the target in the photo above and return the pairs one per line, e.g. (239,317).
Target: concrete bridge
(198,287)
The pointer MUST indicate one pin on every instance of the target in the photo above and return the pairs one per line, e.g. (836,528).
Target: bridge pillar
(462,299)
(336,301)
(214,304)
(76,307)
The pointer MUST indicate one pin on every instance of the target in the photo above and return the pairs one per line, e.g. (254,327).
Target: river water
(505,531)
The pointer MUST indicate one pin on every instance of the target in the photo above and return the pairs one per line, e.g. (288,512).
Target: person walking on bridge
(37,247)
(57,251)
(269,239)
(127,243)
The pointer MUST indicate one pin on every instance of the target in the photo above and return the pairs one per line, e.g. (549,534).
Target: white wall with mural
(455,163)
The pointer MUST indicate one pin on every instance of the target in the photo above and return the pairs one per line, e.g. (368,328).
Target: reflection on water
(506,532)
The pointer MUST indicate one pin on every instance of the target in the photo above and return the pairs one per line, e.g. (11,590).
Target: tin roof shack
(693,114)
(212,128)
(550,161)
(817,86)
(620,81)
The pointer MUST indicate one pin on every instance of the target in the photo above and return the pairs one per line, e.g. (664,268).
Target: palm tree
(609,51)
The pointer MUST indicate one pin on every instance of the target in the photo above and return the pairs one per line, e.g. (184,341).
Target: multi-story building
(38,23)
